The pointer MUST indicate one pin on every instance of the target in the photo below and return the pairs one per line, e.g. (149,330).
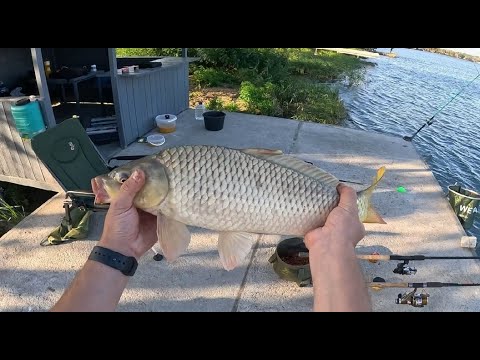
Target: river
(400,94)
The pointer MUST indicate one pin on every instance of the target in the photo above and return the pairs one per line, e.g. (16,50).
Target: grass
(17,201)
(12,214)
(285,82)
(9,215)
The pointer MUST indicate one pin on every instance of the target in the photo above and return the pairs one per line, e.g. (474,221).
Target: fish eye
(122,177)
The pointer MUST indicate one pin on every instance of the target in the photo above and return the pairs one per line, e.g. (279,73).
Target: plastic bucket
(28,118)
(213,120)
(465,204)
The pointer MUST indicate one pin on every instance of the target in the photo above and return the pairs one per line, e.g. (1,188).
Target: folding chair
(72,158)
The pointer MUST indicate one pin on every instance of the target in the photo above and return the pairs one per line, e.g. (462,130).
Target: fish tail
(366,211)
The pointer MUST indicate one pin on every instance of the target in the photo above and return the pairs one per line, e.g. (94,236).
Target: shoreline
(451,53)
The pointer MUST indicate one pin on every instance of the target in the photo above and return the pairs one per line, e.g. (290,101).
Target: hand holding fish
(131,232)
(338,280)
(238,193)
(342,226)
(128,230)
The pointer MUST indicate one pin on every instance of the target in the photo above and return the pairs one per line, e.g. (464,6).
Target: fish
(238,193)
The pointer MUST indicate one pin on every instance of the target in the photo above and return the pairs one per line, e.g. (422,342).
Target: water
(400,94)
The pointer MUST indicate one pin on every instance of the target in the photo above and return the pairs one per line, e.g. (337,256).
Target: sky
(471,51)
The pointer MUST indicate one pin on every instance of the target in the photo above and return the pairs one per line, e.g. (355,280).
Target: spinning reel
(413,298)
(404,268)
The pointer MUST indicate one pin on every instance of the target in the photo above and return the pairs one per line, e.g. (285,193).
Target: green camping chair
(72,158)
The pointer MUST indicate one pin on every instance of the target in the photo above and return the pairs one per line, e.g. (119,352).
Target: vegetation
(124,52)
(291,83)
(18,201)
(10,215)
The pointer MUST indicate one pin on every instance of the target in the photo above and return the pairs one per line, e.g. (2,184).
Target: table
(75,81)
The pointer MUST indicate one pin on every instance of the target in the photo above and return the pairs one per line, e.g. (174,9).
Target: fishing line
(430,121)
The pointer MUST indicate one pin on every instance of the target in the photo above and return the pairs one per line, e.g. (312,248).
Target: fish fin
(365,196)
(173,237)
(376,179)
(373,216)
(233,247)
(262,152)
(298,165)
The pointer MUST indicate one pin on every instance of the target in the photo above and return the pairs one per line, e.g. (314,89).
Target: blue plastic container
(28,118)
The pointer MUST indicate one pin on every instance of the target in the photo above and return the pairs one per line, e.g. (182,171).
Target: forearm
(339,284)
(97,287)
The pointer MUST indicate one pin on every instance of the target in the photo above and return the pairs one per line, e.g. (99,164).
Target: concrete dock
(419,221)
(353,52)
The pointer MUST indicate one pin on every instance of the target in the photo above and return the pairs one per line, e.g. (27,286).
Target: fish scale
(235,192)
(239,192)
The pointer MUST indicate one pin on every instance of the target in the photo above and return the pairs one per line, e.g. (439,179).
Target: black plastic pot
(213,120)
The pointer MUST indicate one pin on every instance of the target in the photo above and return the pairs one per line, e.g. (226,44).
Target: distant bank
(452,53)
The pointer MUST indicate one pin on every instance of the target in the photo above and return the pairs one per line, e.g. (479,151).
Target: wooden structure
(358,53)
(137,98)
(18,163)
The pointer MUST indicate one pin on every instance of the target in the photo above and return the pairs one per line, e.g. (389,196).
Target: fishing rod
(413,298)
(430,121)
(404,268)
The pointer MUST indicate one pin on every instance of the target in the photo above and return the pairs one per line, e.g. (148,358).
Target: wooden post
(184,52)
(46,103)
(112,61)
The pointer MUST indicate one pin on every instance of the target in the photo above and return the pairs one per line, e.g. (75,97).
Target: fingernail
(136,175)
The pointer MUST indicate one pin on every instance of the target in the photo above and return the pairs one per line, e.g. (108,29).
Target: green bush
(260,99)
(277,82)
(232,107)
(250,75)
(307,100)
(268,63)
(215,104)
(326,66)
(124,52)
(209,77)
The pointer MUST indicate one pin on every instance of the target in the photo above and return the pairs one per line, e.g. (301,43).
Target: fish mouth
(98,187)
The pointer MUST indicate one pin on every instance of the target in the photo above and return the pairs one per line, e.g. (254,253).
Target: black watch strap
(126,264)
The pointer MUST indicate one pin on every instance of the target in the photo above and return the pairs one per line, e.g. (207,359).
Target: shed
(113,107)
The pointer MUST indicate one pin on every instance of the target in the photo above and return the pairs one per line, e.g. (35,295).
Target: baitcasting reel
(413,299)
(405,269)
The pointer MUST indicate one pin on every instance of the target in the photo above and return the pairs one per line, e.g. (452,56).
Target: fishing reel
(404,269)
(412,298)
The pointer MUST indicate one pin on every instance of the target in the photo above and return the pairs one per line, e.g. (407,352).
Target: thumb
(129,189)
(348,198)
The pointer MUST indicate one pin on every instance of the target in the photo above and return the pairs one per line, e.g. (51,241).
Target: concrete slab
(418,222)
(32,277)
(240,130)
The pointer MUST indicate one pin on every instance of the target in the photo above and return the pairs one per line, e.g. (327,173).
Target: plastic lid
(164,119)
(156,140)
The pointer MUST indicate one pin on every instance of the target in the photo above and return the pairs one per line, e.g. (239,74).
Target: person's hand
(128,230)
(343,226)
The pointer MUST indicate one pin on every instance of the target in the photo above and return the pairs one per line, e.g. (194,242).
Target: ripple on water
(401,94)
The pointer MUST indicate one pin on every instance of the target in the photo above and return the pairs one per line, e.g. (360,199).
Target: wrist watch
(127,265)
